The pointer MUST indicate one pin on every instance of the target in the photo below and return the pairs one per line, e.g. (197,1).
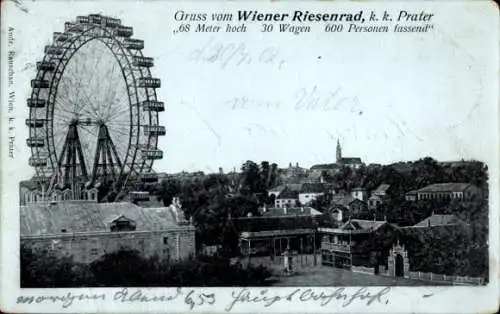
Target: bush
(43,269)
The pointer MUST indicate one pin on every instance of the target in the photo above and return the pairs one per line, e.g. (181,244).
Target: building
(378,196)
(333,168)
(342,247)
(311,191)
(374,201)
(358,207)
(360,194)
(382,190)
(351,162)
(287,198)
(273,235)
(294,171)
(86,231)
(276,191)
(459,191)
(342,199)
(337,213)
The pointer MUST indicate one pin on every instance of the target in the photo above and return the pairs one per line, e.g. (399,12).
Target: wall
(177,243)
(306,198)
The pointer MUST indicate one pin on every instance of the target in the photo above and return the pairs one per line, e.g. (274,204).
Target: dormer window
(122,223)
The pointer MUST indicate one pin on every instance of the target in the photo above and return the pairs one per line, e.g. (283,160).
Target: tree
(168,189)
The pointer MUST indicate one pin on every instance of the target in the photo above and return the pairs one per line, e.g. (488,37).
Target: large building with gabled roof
(88,230)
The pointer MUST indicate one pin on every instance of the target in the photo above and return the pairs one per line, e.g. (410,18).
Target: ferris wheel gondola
(93,109)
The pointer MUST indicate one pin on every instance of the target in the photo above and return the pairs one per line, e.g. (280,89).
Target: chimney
(221,171)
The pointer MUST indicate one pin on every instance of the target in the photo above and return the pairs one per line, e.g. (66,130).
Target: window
(165,240)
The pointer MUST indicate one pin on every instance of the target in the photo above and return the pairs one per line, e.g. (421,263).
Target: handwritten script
(193,298)
(236,53)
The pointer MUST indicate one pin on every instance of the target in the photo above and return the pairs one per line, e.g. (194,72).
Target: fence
(446,278)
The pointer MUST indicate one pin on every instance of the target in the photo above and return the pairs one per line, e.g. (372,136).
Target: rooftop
(351,160)
(382,188)
(288,194)
(446,187)
(60,217)
(292,211)
(263,223)
(314,188)
(438,220)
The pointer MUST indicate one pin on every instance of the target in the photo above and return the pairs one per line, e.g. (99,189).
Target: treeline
(45,269)
(214,199)
(407,176)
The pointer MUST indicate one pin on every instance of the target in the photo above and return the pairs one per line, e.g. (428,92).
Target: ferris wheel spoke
(119,113)
(60,118)
(63,109)
(122,133)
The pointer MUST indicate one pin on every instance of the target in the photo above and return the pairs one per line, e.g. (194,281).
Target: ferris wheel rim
(133,146)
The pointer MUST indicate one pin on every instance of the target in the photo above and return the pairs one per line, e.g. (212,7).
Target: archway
(399,261)
(398,264)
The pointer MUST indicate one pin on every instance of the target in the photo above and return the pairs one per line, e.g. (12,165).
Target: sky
(286,98)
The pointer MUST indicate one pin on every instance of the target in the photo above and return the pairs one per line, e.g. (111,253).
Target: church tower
(339,153)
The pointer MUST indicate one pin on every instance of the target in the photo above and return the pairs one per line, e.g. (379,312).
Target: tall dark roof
(314,188)
(288,194)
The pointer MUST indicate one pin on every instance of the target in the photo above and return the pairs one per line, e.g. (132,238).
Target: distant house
(460,191)
(374,201)
(342,199)
(378,196)
(382,190)
(340,247)
(287,198)
(311,191)
(411,196)
(337,212)
(358,207)
(360,194)
(276,191)
(294,171)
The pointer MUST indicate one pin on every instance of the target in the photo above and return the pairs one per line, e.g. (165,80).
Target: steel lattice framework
(93,110)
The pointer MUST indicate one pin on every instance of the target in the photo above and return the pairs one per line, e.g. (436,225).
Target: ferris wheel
(93,110)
